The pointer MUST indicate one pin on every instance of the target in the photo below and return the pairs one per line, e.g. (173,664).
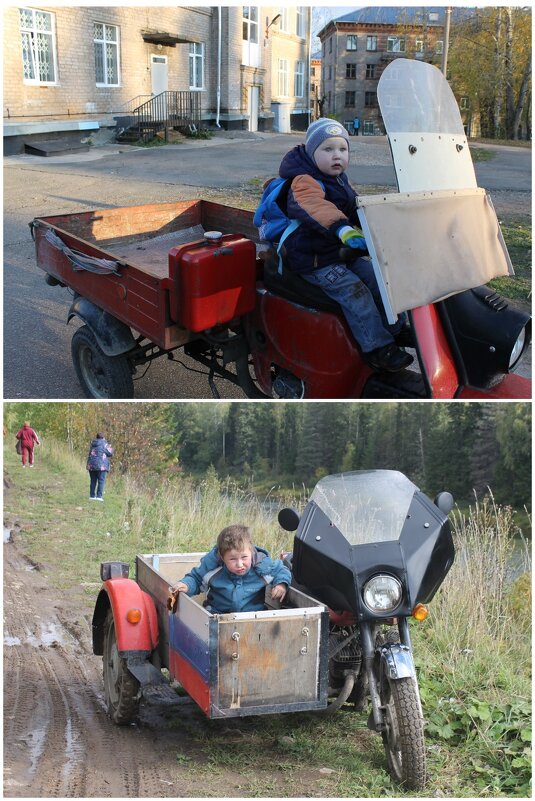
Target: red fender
(125,594)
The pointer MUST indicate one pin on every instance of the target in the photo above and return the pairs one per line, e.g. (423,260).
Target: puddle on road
(36,744)
(51,635)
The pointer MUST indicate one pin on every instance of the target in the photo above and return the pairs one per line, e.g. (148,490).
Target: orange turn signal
(133,615)
(420,612)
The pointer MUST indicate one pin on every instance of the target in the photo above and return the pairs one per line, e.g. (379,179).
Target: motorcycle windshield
(366,506)
(415,97)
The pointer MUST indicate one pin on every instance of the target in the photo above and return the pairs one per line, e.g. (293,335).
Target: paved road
(37,360)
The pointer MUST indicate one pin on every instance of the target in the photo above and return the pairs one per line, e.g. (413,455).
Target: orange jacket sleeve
(307,203)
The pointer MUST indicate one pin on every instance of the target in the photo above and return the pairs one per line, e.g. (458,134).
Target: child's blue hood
(297,162)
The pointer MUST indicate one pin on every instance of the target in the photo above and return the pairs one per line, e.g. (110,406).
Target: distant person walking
(98,464)
(356,126)
(28,439)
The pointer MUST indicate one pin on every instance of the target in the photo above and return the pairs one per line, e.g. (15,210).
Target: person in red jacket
(28,438)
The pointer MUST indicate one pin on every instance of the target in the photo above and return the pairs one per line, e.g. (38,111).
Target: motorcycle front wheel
(403,735)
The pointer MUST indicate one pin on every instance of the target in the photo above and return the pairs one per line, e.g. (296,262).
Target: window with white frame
(464,103)
(439,47)
(106,42)
(250,24)
(250,35)
(283,77)
(196,65)
(351,43)
(299,78)
(371,43)
(300,22)
(395,44)
(419,45)
(38,46)
(284,22)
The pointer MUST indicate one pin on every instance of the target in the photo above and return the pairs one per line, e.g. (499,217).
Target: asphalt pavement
(37,362)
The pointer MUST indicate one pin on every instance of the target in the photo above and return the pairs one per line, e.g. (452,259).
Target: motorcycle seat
(292,287)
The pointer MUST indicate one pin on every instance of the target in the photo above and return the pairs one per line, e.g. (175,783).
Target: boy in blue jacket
(234,574)
(321,198)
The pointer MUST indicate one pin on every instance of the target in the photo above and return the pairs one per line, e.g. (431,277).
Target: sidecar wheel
(403,738)
(121,689)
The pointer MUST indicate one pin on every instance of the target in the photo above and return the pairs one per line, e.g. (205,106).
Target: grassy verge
(507,142)
(473,654)
(517,234)
(480,154)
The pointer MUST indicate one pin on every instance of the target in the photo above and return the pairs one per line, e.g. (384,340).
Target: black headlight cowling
(483,328)
(336,572)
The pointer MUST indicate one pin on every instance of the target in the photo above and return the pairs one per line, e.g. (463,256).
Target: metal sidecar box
(236,664)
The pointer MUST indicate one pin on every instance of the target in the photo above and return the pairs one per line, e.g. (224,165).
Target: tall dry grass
(480,620)
(183,516)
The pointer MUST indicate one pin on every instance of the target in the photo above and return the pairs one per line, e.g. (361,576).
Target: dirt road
(58,740)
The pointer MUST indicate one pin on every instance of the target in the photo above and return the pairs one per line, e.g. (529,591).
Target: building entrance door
(253,101)
(158,74)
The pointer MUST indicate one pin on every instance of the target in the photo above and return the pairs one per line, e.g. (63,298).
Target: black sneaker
(389,358)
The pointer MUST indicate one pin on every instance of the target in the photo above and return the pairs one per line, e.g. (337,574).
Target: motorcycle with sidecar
(157,280)
(370,551)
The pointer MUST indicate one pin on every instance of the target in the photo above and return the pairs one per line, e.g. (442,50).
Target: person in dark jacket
(98,464)
(324,202)
(28,439)
(234,574)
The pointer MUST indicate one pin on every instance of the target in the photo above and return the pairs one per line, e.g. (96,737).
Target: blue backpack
(270,217)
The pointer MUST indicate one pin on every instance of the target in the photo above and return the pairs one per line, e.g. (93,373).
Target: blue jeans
(96,482)
(354,287)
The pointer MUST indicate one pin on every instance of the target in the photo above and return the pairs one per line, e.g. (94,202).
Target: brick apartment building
(71,69)
(358,46)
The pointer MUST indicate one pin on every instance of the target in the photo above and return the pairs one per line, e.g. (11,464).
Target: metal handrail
(132,104)
(168,110)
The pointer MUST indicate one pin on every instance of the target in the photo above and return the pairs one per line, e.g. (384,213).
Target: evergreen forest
(465,448)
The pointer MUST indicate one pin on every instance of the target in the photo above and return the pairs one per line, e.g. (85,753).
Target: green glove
(352,237)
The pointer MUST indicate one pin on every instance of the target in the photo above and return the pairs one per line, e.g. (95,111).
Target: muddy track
(58,739)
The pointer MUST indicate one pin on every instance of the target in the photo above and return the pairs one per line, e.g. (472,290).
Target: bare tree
(498,66)
(508,68)
(522,96)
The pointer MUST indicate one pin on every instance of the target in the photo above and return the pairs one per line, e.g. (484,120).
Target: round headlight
(382,593)
(518,347)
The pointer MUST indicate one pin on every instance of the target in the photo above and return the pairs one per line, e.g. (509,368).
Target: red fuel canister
(213,280)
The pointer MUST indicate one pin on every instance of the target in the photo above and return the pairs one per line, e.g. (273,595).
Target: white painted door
(253,101)
(158,74)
